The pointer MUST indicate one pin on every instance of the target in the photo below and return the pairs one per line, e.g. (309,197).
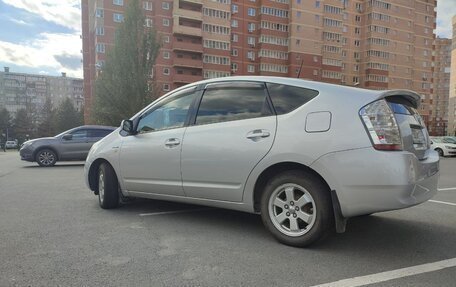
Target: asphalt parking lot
(52,233)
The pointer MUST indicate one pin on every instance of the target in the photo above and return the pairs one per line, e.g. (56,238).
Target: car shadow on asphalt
(376,235)
(56,166)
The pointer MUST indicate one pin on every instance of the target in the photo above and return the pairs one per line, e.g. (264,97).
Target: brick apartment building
(438,121)
(452,97)
(367,43)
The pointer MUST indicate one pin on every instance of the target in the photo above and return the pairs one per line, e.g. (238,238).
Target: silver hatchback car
(305,155)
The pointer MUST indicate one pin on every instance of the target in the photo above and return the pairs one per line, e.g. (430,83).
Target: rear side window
(231,103)
(99,133)
(288,98)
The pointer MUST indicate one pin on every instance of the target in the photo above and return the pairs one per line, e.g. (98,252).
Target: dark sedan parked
(73,144)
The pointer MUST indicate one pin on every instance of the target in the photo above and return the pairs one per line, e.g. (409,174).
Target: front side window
(169,115)
(231,102)
(288,98)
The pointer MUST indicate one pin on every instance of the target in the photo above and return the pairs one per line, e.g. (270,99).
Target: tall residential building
(438,121)
(376,44)
(452,99)
(25,91)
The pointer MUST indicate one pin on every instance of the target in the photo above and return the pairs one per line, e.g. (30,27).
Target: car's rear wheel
(108,194)
(296,208)
(46,157)
(440,151)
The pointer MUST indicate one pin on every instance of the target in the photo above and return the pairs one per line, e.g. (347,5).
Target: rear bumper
(368,181)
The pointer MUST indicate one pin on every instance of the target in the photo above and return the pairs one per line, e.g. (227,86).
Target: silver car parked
(306,155)
(73,144)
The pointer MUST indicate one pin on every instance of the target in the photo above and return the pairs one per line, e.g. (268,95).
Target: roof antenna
(300,68)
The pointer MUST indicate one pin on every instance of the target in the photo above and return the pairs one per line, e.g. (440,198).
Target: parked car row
(263,145)
(445,146)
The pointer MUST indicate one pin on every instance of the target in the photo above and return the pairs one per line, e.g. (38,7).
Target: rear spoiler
(413,99)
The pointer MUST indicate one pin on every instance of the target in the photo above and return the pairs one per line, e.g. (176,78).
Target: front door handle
(172,142)
(257,134)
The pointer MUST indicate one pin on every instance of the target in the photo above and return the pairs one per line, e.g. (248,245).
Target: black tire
(440,151)
(107,187)
(46,157)
(323,220)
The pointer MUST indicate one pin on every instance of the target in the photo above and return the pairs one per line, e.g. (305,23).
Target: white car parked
(443,147)
(11,144)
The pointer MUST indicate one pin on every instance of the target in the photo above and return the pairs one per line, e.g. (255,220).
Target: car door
(150,159)
(233,130)
(76,147)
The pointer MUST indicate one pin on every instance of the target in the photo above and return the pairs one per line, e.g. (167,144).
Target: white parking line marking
(173,211)
(443,202)
(393,274)
(449,188)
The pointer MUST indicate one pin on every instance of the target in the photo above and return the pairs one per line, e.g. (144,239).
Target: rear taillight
(381,125)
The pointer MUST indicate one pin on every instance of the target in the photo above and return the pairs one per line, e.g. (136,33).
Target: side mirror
(127,126)
(67,137)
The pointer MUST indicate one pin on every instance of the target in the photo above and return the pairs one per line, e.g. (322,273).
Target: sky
(43,36)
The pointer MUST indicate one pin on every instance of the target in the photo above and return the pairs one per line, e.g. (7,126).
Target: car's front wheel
(108,187)
(46,157)
(296,208)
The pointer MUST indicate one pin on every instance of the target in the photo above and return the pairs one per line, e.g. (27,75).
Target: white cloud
(44,52)
(66,13)
(445,10)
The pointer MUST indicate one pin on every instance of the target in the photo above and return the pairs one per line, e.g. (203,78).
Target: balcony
(186,79)
(189,63)
(187,13)
(192,1)
(186,30)
(186,46)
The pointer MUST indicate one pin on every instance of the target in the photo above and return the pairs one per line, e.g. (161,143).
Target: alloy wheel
(292,209)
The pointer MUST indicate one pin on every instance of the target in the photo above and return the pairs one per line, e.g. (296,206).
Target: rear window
(288,98)
(99,133)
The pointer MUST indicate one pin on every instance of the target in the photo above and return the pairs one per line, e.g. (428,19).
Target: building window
(234,23)
(166,71)
(317,4)
(100,48)
(234,52)
(165,87)
(315,59)
(99,31)
(166,22)
(235,37)
(251,68)
(315,72)
(234,67)
(149,22)
(251,27)
(165,55)
(117,2)
(251,11)
(251,41)
(117,17)
(251,55)
(165,5)
(165,39)
(147,5)
(234,9)
(99,13)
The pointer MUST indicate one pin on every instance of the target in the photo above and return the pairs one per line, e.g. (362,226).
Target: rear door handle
(172,142)
(256,134)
